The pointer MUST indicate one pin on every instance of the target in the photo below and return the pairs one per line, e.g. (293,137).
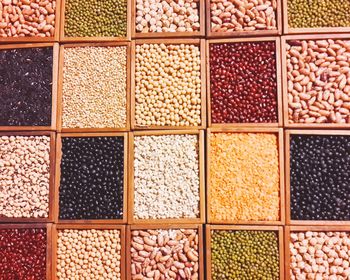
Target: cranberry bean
(23,254)
(243,82)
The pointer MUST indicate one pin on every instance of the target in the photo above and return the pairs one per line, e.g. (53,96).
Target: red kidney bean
(23,254)
(243,82)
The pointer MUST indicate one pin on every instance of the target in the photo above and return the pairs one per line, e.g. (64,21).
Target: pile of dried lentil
(244,177)
(166,176)
(94,87)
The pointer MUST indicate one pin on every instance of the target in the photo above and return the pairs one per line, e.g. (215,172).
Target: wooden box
(235,34)
(156,226)
(58,179)
(289,229)
(288,30)
(48,228)
(50,217)
(201,155)
(137,35)
(60,128)
(276,131)
(198,42)
(58,227)
(278,81)
(66,39)
(284,40)
(288,134)
(28,39)
(55,48)
(210,228)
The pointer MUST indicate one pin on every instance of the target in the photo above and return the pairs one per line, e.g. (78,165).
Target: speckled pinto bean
(318,74)
(243,82)
(27,18)
(164,254)
(243,15)
(94,87)
(319,255)
(23,254)
(167,85)
(166,177)
(244,177)
(319,177)
(319,13)
(244,255)
(167,16)
(89,254)
(24,176)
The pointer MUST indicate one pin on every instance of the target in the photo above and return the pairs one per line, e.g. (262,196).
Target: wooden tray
(137,35)
(278,80)
(288,30)
(60,87)
(66,39)
(279,133)
(236,34)
(289,229)
(289,220)
(58,178)
(209,228)
(28,39)
(284,40)
(50,217)
(141,222)
(165,227)
(198,42)
(55,48)
(48,241)
(58,227)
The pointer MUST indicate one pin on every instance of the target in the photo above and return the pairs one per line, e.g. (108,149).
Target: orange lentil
(244,177)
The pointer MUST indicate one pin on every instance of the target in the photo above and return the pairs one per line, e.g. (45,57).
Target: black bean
(92,178)
(320,177)
(26,87)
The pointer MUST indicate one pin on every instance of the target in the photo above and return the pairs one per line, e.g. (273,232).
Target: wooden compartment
(235,34)
(50,217)
(58,178)
(137,35)
(201,154)
(198,42)
(66,39)
(58,227)
(210,228)
(60,127)
(55,55)
(39,40)
(276,131)
(306,223)
(48,228)
(156,226)
(288,30)
(289,229)
(284,40)
(278,80)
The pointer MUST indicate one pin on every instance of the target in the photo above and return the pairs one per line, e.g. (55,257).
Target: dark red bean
(23,254)
(243,82)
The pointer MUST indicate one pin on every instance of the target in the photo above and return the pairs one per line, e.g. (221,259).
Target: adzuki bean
(243,82)
(23,254)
